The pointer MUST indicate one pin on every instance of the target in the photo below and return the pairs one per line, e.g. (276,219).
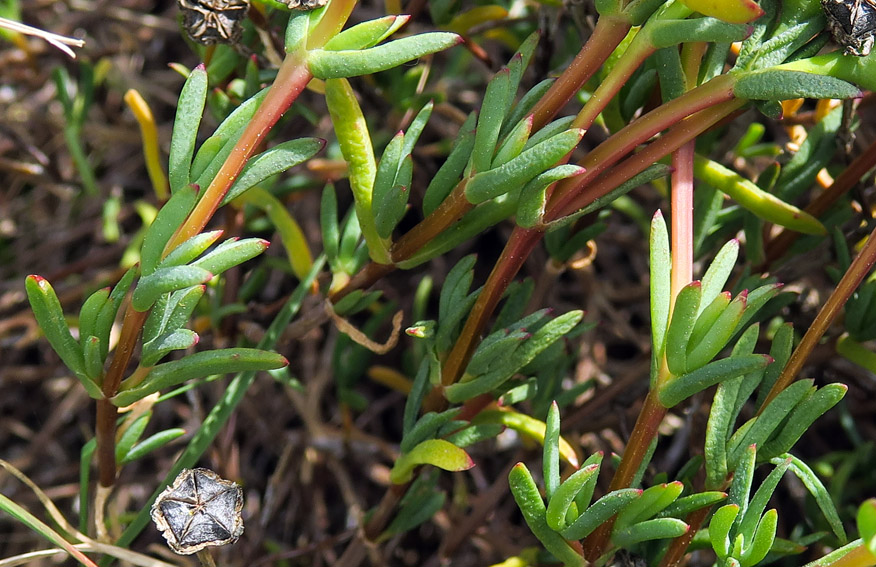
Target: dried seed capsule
(214,21)
(199,510)
(304,4)
(852,23)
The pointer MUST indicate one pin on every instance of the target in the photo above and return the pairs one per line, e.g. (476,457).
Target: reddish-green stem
(608,153)
(841,185)
(291,79)
(682,217)
(682,205)
(631,60)
(105,426)
(848,284)
(451,209)
(607,34)
(687,130)
(516,250)
(679,545)
(644,432)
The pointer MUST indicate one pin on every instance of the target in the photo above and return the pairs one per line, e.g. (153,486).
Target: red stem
(607,35)
(451,209)
(291,79)
(516,250)
(682,217)
(608,153)
(848,284)
(572,201)
(841,185)
(105,419)
(644,432)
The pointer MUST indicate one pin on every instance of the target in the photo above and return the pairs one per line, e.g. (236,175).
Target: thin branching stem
(848,284)
(607,34)
(644,432)
(291,79)
(846,180)
(516,250)
(608,153)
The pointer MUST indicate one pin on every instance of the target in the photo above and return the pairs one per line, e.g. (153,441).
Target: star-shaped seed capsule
(199,510)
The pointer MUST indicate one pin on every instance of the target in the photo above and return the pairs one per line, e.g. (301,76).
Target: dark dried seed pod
(852,24)
(214,21)
(199,510)
(304,4)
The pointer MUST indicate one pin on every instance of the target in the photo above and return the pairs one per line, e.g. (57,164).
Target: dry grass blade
(60,41)
(44,530)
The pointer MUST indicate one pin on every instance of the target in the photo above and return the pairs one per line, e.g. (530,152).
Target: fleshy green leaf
(802,416)
(600,512)
(763,540)
(231,253)
(668,33)
(490,119)
(681,326)
(190,249)
(436,452)
(169,218)
(93,359)
(682,387)
(818,492)
(325,64)
(687,504)
(533,196)
(783,84)
(529,501)
(198,365)
(857,70)
(649,504)
(660,263)
(171,312)
(565,495)
(718,334)
(866,522)
(189,110)
(355,142)
(426,427)
(450,171)
(765,205)
(165,280)
(156,349)
(737,11)
(281,157)
(514,143)
(152,443)
(366,34)
(658,528)
(551,453)
(719,270)
(541,339)
(89,313)
(769,419)
(719,529)
(490,184)
(131,435)
(50,317)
